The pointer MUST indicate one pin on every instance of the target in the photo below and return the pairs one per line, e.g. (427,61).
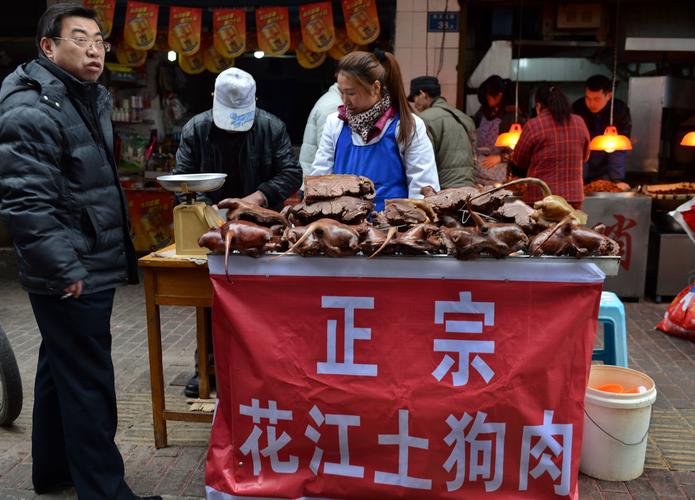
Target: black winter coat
(59,190)
(266,158)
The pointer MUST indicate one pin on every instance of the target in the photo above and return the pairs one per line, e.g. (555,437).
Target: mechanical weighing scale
(192,218)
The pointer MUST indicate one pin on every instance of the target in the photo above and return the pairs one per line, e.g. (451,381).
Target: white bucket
(616,424)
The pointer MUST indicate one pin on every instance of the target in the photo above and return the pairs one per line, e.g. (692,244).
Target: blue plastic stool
(612,315)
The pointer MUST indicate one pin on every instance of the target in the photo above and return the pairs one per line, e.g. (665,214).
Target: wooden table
(175,282)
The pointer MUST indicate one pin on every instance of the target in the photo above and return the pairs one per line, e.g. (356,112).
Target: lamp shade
(689,139)
(509,139)
(610,141)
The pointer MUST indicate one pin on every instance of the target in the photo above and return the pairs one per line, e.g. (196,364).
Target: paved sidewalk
(177,472)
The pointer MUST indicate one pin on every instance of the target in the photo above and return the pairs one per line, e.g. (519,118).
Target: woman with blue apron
(374,133)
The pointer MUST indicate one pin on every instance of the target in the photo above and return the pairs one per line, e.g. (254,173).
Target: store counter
(627,217)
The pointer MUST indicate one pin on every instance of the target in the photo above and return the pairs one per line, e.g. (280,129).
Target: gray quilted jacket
(59,192)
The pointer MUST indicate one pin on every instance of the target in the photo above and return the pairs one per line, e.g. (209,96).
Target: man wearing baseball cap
(451,131)
(248,144)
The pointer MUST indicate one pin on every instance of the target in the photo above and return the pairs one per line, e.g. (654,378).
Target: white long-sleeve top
(417,157)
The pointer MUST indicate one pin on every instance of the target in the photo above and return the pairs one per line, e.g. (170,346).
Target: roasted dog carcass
(493,238)
(345,209)
(321,187)
(569,238)
(238,209)
(330,237)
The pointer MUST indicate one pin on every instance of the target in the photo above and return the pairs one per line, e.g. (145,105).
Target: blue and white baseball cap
(234,102)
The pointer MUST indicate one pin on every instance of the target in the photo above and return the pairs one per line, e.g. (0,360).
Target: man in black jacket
(248,144)
(67,216)
(595,109)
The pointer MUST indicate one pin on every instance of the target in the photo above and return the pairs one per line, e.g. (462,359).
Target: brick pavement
(177,472)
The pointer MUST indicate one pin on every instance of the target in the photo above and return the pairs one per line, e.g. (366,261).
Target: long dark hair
(366,68)
(551,97)
(493,86)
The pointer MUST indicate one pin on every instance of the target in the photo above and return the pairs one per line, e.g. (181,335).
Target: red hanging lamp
(610,141)
(688,139)
(510,139)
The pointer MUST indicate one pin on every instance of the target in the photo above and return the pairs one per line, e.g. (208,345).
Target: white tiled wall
(418,52)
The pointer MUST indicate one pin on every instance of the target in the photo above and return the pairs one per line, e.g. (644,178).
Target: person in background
(495,116)
(451,131)
(374,133)
(328,103)
(248,144)
(553,147)
(595,109)
(67,215)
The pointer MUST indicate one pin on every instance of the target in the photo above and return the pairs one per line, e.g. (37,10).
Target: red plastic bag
(679,318)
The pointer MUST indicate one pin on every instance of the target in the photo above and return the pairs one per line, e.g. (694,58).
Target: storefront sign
(361,20)
(229,31)
(184,30)
(399,377)
(438,22)
(273,25)
(316,19)
(104,10)
(141,25)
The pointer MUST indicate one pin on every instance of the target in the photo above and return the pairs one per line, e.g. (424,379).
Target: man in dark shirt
(248,144)
(68,218)
(595,109)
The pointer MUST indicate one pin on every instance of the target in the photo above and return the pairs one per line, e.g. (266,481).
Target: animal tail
(308,232)
(389,236)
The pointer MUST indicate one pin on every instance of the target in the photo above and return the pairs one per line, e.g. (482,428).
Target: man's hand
(74,290)
(257,198)
(491,160)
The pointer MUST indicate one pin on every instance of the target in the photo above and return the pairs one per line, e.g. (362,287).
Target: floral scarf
(363,122)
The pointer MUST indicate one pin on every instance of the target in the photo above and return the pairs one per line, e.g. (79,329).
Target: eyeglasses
(86,42)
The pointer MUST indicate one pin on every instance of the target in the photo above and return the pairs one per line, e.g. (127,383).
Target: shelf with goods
(143,151)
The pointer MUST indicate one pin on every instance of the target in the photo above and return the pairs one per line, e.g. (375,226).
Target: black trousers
(75,416)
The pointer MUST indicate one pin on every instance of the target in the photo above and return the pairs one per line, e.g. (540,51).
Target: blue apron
(380,161)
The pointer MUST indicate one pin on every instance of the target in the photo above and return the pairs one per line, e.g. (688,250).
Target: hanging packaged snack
(342,46)
(316,19)
(229,31)
(361,20)
(273,27)
(184,30)
(129,56)
(141,25)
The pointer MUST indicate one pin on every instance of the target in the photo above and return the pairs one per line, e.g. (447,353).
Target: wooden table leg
(154,342)
(202,327)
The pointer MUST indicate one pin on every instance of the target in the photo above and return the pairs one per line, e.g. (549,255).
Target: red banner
(400,377)
(184,29)
(140,29)
(229,31)
(317,26)
(273,27)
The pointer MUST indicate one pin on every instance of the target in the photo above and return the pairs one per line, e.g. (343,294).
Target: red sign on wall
(399,377)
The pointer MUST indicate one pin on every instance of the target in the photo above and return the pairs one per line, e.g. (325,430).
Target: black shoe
(191,390)
(154,497)
(53,488)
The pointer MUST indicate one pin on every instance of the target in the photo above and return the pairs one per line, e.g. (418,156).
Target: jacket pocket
(90,228)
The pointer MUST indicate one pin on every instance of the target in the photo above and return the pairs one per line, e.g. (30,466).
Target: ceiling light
(258,54)
(171,55)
